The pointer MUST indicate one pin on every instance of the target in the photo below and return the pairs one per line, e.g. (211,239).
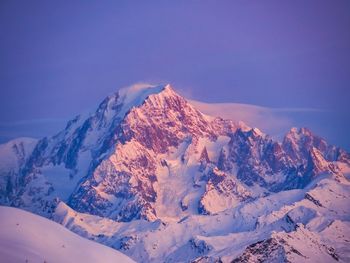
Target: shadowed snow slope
(25,237)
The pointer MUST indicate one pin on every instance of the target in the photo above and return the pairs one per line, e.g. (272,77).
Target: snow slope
(25,237)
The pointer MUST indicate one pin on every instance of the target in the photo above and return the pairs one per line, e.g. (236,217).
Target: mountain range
(149,174)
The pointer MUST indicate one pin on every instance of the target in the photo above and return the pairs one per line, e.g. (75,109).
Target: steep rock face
(222,191)
(270,250)
(276,166)
(13,155)
(121,187)
(299,142)
(298,246)
(164,120)
(256,157)
(59,163)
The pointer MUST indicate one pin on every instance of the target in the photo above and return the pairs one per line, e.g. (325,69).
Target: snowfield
(25,237)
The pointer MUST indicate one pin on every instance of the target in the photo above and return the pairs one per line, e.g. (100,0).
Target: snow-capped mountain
(148,166)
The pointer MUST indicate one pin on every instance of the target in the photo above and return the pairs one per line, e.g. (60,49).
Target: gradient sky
(60,58)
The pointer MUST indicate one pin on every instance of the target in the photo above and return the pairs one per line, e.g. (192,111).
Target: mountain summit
(146,157)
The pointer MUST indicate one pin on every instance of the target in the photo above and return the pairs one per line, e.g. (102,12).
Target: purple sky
(59,58)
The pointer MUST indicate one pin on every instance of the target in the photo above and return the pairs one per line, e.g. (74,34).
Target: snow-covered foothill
(25,237)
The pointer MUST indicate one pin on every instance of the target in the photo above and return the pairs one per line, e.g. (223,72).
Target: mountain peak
(300,131)
(117,105)
(135,95)
(139,92)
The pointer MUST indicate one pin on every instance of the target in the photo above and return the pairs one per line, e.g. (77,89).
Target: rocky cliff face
(13,155)
(122,186)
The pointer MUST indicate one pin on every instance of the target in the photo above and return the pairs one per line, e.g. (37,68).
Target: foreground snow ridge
(25,237)
(164,179)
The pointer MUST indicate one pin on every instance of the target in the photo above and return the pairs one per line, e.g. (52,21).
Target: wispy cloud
(274,121)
